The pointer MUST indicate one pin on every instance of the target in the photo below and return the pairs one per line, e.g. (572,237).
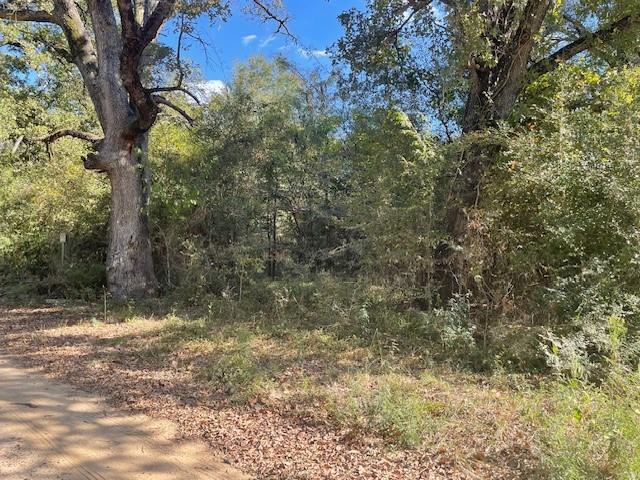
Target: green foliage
(334,221)
(563,213)
(315,232)
(253,182)
(391,405)
(452,330)
(591,432)
(237,373)
(46,193)
(394,175)
(419,54)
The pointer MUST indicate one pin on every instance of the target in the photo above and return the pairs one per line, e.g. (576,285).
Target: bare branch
(268,14)
(178,87)
(68,132)
(91,161)
(175,89)
(163,101)
(204,44)
(586,42)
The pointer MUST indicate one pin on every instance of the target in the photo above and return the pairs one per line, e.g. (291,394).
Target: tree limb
(132,47)
(412,8)
(268,14)
(584,43)
(134,40)
(160,14)
(178,87)
(26,15)
(163,101)
(81,51)
(68,132)
(91,161)
(175,89)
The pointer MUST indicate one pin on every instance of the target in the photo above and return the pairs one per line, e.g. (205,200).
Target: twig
(281,22)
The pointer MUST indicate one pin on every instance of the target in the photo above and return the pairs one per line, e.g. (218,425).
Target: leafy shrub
(391,406)
(451,331)
(592,432)
(236,373)
(603,339)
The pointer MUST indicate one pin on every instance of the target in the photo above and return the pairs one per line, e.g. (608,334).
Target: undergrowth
(335,354)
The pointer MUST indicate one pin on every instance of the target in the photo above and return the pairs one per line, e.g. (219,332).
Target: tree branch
(68,132)
(163,101)
(160,14)
(91,161)
(133,45)
(178,87)
(175,89)
(586,42)
(81,51)
(268,14)
(134,40)
(412,8)
(26,15)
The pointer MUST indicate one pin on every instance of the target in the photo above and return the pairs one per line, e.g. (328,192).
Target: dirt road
(49,431)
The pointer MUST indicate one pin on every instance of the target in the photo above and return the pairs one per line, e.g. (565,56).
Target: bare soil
(50,431)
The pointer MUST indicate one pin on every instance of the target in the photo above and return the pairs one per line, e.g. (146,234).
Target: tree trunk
(484,109)
(130,271)
(493,94)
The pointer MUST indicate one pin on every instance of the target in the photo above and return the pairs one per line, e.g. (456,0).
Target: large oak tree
(107,42)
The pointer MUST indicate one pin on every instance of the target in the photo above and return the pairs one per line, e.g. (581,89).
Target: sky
(313,22)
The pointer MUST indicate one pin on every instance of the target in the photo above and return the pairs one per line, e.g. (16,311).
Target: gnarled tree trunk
(108,55)
(130,271)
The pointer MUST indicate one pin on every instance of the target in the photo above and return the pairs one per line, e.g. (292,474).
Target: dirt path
(49,431)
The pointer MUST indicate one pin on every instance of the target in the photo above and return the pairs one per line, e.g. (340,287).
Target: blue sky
(313,22)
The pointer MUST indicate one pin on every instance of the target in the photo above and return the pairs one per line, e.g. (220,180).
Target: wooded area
(460,194)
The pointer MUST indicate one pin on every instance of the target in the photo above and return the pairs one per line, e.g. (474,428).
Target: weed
(391,405)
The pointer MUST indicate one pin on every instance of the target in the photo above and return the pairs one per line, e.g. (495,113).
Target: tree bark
(493,94)
(130,271)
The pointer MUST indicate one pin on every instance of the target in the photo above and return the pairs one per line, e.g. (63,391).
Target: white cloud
(267,41)
(247,39)
(207,89)
(303,52)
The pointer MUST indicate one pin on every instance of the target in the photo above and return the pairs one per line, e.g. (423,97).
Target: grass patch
(238,374)
(371,387)
(591,432)
(391,405)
